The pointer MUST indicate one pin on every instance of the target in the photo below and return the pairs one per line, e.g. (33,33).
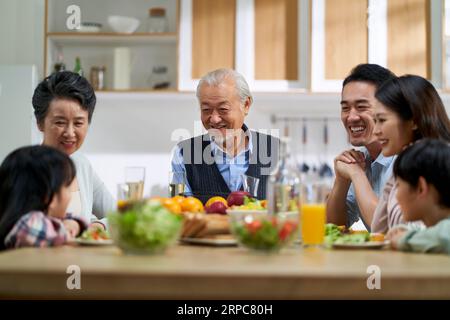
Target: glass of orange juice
(313,214)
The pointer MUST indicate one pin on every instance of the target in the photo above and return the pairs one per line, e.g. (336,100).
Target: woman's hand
(72,227)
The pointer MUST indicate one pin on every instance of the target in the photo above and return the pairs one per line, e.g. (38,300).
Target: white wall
(17,127)
(22,33)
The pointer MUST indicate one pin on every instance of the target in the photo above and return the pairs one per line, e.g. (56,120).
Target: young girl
(422,173)
(34,195)
(408,108)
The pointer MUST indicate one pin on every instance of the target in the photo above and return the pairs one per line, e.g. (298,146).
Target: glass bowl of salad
(263,232)
(144,227)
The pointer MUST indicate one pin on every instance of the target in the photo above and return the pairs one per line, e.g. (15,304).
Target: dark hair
(63,85)
(367,72)
(29,179)
(428,158)
(414,98)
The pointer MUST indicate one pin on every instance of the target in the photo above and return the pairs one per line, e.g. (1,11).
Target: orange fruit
(178,199)
(264,204)
(216,199)
(191,204)
(172,205)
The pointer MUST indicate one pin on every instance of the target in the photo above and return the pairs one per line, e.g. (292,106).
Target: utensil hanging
(325,170)
(303,166)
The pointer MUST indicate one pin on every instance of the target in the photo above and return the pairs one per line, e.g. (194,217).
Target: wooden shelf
(110,38)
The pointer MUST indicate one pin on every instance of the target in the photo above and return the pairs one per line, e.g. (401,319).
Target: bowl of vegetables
(144,227)
(263,232)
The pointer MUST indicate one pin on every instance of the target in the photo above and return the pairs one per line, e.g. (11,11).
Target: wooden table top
(195,272)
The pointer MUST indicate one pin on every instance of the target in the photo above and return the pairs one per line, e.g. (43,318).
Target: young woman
(408,109)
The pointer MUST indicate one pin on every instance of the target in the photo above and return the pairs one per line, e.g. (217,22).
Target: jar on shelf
(97,77)
(159,78)
(157,20)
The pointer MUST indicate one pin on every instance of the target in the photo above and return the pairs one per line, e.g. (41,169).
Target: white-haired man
(215,162)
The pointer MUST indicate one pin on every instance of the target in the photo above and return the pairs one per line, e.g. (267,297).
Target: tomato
(286,230)
(253,226)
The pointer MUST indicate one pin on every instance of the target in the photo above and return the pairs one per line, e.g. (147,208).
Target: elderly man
(215,162)
(360,175)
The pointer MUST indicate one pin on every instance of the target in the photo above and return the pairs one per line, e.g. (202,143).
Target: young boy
(422,173)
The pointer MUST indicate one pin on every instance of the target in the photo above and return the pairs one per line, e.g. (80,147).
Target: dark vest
(204,177)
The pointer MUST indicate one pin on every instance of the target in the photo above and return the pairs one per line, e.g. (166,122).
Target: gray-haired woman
(63,105)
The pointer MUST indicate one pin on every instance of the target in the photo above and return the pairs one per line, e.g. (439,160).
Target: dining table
(206,272)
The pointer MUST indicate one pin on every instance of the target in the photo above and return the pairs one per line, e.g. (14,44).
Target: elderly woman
(63,105)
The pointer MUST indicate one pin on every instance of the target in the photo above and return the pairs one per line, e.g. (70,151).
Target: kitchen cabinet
(446,45)
(392,33)
(266,41)
(145,50)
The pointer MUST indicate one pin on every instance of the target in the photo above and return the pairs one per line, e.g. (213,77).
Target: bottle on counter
(78,69)
(59,64)
(157,20)
(284,183)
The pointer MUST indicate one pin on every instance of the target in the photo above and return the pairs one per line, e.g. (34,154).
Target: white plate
(364,245)
(210,242)
(85,242)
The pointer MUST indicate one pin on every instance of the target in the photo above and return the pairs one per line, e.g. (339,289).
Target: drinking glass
(134,178)
(250,184)
(177,182)
(313,213)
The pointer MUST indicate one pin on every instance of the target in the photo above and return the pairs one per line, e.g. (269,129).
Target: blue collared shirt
(377,172)
(231,168)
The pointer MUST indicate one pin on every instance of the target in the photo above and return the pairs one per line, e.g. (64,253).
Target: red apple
(236,198)
(216,207)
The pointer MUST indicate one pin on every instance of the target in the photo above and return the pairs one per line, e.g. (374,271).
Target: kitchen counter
(194,272)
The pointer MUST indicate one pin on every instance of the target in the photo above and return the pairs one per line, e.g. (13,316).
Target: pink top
(388,212)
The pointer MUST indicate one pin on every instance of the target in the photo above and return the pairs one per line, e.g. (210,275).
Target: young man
(360,175)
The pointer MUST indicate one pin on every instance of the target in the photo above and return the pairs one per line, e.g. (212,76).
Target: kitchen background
(134,125)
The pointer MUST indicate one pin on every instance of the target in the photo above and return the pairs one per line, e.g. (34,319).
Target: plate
(217,242)
(85,242)
(364,245)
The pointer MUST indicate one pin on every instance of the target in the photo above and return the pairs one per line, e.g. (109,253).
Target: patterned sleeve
(36,230)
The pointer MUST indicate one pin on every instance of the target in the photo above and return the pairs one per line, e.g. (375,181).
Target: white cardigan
(96,201)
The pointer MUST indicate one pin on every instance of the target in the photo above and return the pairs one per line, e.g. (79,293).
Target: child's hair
(29,179)
(430,159)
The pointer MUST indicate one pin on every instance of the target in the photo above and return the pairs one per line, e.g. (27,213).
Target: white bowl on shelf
(123,24)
